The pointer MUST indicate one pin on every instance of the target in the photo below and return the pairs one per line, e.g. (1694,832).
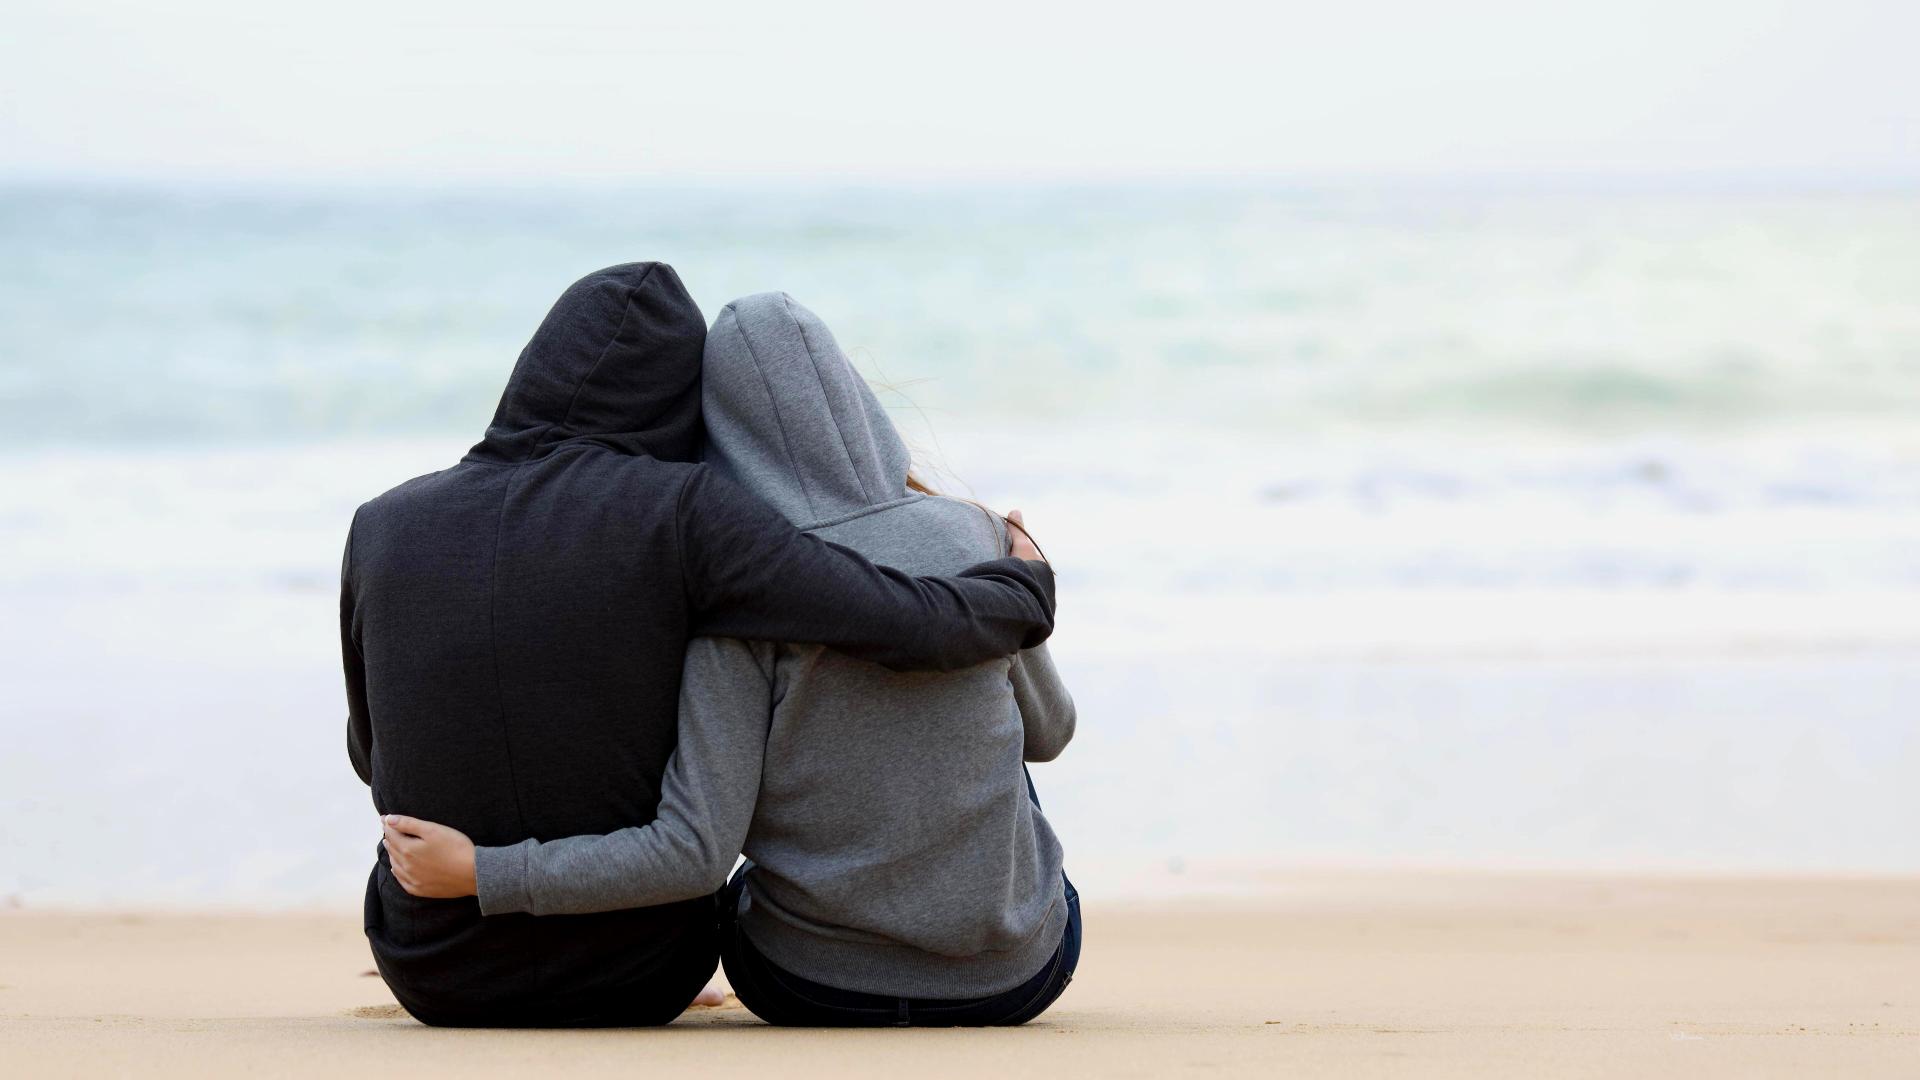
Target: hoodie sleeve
(706,806)
(359,723)
(1046,709)
(751,574)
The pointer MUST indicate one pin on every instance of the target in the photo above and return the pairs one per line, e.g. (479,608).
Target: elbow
(1040,751)
(1051,741)
(718,866)
(704,864)
(361,759)
(719,874)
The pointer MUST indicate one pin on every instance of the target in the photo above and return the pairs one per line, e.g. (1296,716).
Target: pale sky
(435,91)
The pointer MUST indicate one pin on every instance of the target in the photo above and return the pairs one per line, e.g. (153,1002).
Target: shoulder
(407,489)
(925,535)
(675,474)
(971,520)
(695,483)
(399,498)
(634,481)
(607,459)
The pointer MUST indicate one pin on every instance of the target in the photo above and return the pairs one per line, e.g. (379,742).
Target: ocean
(1534,529)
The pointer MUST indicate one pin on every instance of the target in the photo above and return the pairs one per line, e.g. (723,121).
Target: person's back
(514,629)
(542,737)
(895,847)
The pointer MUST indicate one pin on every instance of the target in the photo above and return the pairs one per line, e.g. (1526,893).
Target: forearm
(579,875)
(891,618)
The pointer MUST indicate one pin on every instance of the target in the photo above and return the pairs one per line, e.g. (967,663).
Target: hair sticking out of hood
(790,419)
(616,362)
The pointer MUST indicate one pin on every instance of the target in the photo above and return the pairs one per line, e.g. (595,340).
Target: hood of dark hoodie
(790,419)
(616,362)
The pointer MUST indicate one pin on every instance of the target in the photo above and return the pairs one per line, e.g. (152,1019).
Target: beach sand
(1315,974)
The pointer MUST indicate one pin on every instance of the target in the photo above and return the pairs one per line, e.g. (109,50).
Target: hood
(617,362)
(790,419)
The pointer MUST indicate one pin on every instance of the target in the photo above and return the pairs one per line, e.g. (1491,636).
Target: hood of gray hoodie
(789,417)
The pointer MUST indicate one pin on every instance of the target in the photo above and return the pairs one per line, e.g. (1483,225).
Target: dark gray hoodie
(894,846)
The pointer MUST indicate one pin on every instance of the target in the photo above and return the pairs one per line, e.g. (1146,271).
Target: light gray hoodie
(895,849)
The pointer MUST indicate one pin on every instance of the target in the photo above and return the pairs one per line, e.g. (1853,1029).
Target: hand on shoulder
(1020,541)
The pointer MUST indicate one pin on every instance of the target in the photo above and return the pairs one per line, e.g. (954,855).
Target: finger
(410,826)
(399,842)
(1014,516)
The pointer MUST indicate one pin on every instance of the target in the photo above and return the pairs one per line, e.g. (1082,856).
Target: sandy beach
(1321,974)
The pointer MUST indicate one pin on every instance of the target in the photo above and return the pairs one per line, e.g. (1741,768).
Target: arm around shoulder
(751,574)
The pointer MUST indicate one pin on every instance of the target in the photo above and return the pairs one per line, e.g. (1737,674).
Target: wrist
(500,878)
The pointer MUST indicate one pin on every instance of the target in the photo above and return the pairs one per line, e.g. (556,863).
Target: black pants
(655,997)
(780,997)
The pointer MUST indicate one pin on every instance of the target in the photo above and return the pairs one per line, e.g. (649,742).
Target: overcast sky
(403,90)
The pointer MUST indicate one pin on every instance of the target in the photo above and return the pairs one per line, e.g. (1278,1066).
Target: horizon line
(1780,182)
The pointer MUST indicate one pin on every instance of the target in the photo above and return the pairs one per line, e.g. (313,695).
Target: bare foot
(711,997)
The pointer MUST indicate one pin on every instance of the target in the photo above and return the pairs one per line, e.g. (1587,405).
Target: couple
(588,665)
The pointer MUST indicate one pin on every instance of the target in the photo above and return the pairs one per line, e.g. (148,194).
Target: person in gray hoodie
(900,870)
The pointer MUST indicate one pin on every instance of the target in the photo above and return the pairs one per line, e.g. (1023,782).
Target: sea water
(1572,529)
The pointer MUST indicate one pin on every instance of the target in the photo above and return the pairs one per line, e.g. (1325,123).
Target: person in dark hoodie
(513,630)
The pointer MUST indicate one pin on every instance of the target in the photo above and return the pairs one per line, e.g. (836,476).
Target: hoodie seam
(854,515)
(773,402)
(626,312)
(680,546)
(839,429)
(493,640)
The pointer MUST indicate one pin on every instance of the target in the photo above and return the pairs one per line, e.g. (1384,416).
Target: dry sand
(1328,974)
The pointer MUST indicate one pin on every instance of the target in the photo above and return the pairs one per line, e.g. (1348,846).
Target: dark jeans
(780,997)
(656,996)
